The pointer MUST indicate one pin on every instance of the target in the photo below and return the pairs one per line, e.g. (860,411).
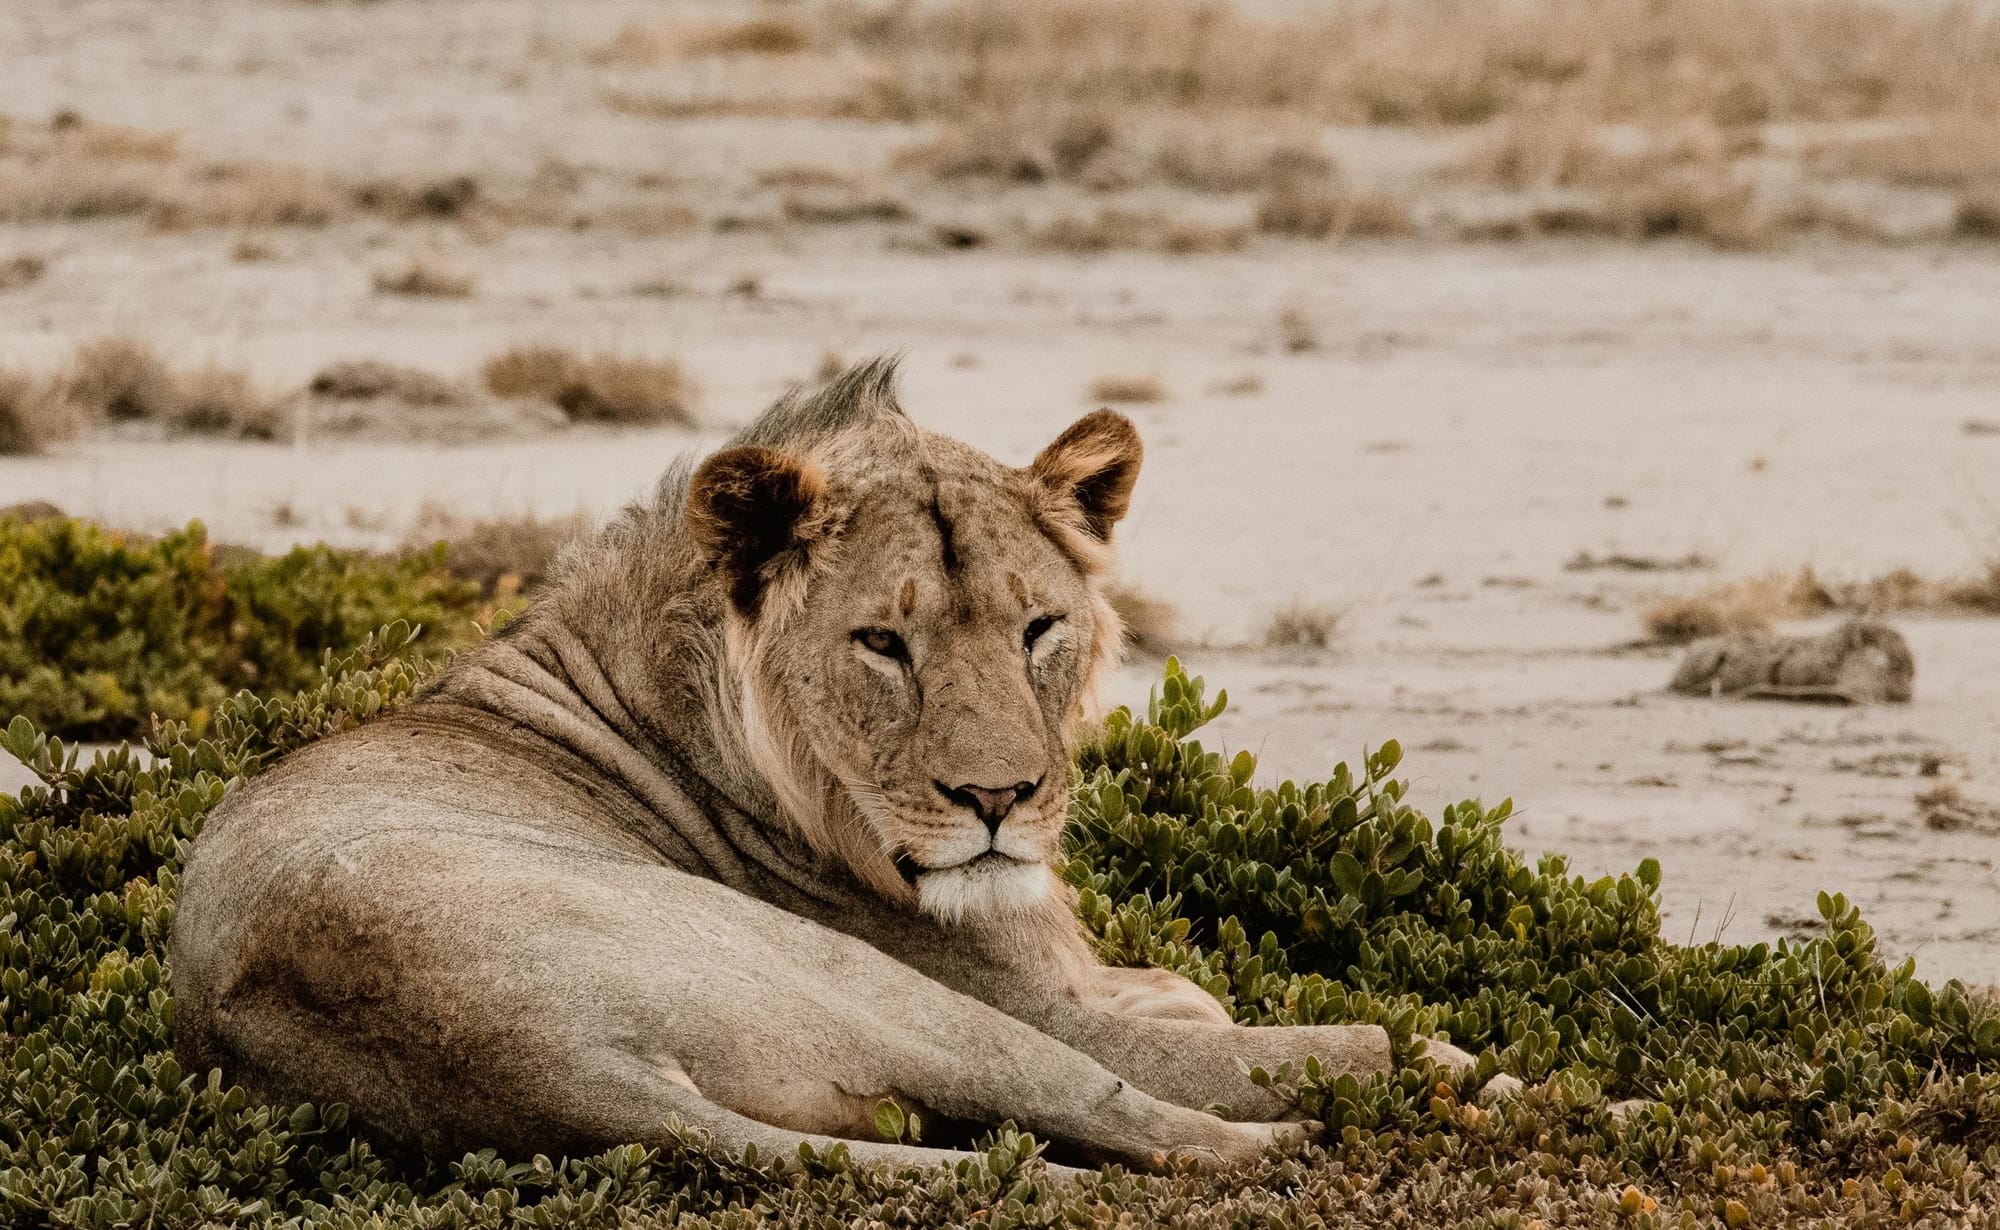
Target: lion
(748,824)
(1863,661)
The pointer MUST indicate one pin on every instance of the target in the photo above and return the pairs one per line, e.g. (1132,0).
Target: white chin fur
(987,890)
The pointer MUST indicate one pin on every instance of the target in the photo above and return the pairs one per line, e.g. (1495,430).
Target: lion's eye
(884,642)
(1036,627)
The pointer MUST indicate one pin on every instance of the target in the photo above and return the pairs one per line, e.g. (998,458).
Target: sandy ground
(1468,419)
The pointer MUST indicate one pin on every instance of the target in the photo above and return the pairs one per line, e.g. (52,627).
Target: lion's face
(911,665)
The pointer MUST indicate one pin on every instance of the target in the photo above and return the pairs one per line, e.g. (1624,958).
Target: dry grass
(1302,625)
(112,142)
(1127,388)
(842,205)
(1957,153)
(761,36)
(1979,594)
(19,271)
(1109,230)
(1249,384)
(1297,330)
(423,279)
(1210,98)
(1687,180)
(1740,607)
(1149,621)
(506,555)
(600,388)
(1948,809)
(642,46)
(34,414)
(1755,605)
(213,400)
(124,380)
(70,188)
(449,196)
(1440,62)
(251,195)
(367,379)
(1021,141)
(1323,208)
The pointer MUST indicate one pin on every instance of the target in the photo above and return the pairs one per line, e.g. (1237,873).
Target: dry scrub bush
(19,271)
(1040,90)
(213,400)
(73,189)
(1756,604)
(120,379)
(112,142)
(1149,621)
(1749,606)
(603,388)
(1248,384)
(34,414)
(639,46)
(1686,180)
(505,555)
(1026,141)
(1128,388)
(1957,153)
(1109,230)
(1324,208)
(249,195)
(1438,62)
(365,379)
(762,36)
(1297,329)
(250,251)
(1302,625)
(424,280)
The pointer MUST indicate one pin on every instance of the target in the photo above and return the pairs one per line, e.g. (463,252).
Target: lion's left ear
(1095,463)
(756,514)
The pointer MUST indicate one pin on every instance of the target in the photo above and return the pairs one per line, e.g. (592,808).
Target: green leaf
(889,1119)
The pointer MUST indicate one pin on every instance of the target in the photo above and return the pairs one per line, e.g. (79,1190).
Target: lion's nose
(990,803)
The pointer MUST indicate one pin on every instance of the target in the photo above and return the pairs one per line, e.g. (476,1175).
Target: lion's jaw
(988,886)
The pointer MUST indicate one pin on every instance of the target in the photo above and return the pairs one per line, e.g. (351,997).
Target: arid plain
(1447,383)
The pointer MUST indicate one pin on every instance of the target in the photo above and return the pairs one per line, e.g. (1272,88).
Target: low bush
(1786,1083)
(34,414)
(100,631)
(600,388)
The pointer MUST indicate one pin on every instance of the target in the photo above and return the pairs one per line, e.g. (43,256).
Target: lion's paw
(1237,1143)
(1455,1060)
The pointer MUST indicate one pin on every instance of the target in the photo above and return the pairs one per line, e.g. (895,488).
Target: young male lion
(747,824)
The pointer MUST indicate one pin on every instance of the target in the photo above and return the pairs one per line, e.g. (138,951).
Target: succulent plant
(1778,1083)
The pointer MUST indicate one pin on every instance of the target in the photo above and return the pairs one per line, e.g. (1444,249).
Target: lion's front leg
(1200,1062)
(1157,993)
(1164,996)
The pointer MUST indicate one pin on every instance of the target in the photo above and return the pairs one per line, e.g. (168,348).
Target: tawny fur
(690,841)
(1862,661)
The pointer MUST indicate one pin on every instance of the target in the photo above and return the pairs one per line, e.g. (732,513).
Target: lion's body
(591,882)
(1862,661)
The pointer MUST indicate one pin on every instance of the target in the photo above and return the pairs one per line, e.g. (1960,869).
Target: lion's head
(912,630)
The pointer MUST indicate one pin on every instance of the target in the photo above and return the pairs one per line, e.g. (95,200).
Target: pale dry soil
(1466,420)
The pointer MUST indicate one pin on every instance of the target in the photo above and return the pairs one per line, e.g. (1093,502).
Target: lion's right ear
(755,514)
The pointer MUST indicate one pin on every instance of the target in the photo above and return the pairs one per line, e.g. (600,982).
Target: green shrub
(99,631)
(1796,1082)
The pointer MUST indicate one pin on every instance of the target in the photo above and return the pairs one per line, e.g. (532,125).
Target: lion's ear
(755,514)
(1095,463)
